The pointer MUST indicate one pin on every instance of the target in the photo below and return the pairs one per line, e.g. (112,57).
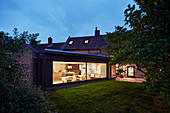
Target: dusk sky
(60,19)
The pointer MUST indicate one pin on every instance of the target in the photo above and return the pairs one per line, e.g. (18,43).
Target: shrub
(23,99)
(15,96)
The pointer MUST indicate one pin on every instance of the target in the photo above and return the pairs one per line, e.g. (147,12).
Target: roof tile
(78,42)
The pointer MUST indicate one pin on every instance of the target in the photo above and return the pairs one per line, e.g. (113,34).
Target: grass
(104,97)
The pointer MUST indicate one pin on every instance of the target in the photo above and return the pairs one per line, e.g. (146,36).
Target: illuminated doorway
(131,71)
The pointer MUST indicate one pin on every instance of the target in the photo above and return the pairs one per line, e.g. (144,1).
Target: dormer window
(71,42)
(86,41)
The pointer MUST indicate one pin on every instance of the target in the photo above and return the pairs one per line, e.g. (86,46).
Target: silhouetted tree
(14,96)
(146,44)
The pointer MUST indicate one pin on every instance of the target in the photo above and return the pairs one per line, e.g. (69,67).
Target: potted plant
(120,71)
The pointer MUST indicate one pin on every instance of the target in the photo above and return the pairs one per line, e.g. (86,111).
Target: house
(78,59)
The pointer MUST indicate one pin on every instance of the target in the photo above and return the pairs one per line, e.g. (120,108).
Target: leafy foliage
(23,99)
(15,96)
(146,44)
(11,47)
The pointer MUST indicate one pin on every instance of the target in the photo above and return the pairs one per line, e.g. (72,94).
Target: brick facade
(28,70)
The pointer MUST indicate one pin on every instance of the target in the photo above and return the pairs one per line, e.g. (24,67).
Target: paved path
(138,80)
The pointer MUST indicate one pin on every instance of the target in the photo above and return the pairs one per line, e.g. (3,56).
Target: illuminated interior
(96,70)
(131,71)
(64,72)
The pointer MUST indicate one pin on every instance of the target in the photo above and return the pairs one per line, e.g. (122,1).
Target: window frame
(133,71)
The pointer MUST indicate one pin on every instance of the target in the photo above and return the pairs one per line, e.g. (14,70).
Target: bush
(23,99)
(15,95)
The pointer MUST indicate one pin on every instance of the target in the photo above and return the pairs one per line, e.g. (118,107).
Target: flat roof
(74,53)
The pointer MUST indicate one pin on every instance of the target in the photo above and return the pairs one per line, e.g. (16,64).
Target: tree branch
(139,68)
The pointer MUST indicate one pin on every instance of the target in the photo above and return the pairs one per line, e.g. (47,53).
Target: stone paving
(138,80)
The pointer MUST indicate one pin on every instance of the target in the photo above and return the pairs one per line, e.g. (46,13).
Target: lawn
(104,97)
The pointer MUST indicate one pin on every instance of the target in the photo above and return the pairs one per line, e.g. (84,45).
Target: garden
(104,97)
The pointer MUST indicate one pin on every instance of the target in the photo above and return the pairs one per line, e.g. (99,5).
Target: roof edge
(74,53)
(87,36)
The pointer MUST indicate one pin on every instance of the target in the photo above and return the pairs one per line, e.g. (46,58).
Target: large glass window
(96,70)
(64,72)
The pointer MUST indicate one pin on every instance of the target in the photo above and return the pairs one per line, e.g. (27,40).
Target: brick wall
(27,66)
(138,74)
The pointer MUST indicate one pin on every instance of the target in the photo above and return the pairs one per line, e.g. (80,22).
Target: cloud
(61,18)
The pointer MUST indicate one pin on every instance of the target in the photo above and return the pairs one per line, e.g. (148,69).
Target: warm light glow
(64,72)
(86,41)
(124,68)
(69,67)
(68,62)
(131,71)
(71,42)
(92,75)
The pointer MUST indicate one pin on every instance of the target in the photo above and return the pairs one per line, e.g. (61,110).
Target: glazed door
(131,71)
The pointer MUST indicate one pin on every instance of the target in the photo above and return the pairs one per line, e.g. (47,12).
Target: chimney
(97,32)
(50,41)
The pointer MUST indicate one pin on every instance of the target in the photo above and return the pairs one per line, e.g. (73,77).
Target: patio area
(138,80)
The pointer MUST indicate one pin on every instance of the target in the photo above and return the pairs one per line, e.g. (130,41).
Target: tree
(15,96)
(9,47)
(146,44)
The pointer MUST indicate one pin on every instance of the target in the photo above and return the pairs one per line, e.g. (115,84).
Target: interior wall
(61,71)
(113,69)
(103,70)
(97,68)
(58,67)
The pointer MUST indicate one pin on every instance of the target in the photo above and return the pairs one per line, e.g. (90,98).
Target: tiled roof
(41,47)
(78,43)
(29,47)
